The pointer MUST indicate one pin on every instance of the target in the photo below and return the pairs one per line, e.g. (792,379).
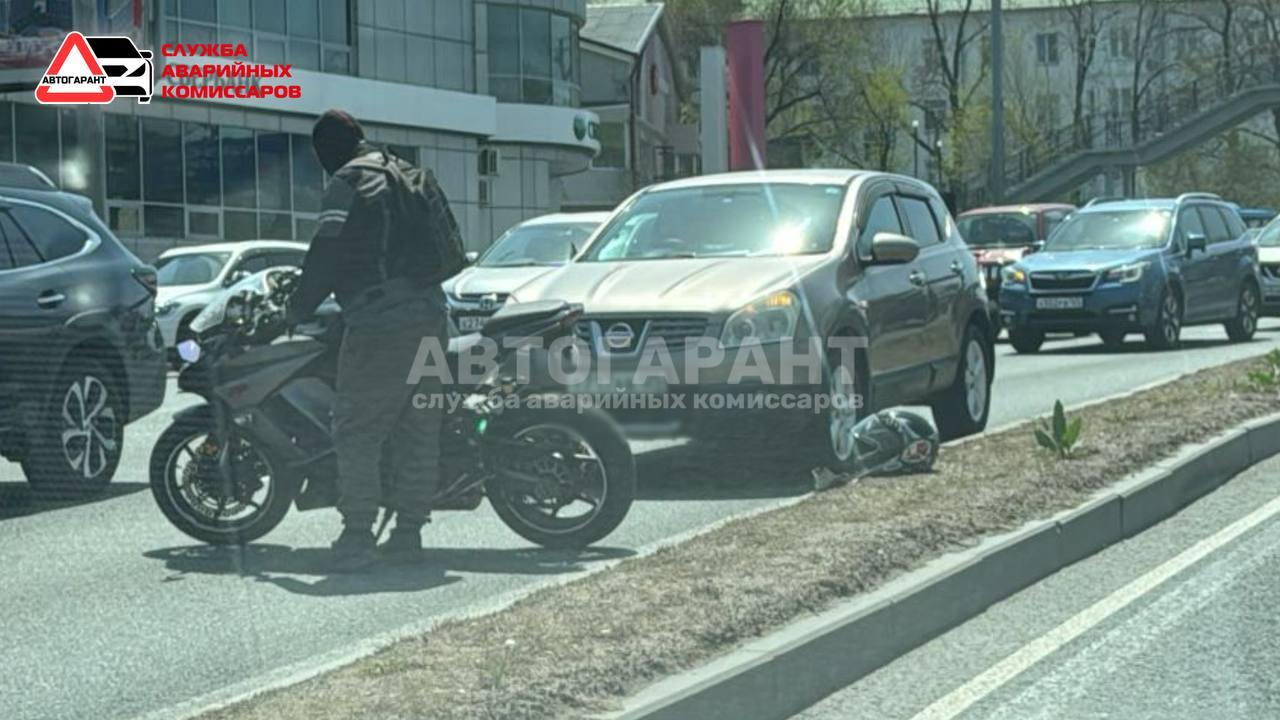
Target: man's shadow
(307,571)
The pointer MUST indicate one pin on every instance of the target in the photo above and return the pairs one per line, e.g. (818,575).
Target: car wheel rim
(843,393)
(1248,310)
(975,380)
(89,430)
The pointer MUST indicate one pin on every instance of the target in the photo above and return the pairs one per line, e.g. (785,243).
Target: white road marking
(972,692)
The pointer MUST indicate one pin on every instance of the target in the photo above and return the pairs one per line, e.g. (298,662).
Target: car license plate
(1059,303)
(471,323)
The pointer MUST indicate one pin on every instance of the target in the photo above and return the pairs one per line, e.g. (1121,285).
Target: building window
(613,145)
(533,56)
(1047,48)
(1121,41)
(309,34)
(124,178)
(37,126)
(161,161)
(203,164)
(421,43)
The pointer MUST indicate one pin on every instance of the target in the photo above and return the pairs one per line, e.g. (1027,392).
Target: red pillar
(744,45)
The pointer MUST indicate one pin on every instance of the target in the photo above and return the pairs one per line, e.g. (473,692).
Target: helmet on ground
(895,441)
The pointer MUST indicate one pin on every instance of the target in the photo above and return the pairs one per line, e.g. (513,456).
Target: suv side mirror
(893,249)
(471,256)
(1196,241)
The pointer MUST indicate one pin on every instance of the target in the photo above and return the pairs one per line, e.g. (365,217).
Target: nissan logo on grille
(619,336)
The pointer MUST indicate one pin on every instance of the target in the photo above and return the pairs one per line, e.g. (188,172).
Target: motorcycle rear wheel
(590,442)
(181,491)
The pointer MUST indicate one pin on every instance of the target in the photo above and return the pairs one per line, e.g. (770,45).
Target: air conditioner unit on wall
(488,161)
(483,194)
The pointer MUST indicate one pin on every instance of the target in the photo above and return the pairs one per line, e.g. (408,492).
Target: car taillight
(146,277)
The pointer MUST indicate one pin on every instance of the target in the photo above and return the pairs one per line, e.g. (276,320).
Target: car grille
(1059,281)
(1271,271)
(674,331)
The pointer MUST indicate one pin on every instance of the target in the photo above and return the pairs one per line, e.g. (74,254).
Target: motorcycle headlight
(1013,275)
(1130,273)
(772,318)
(189,351)
(166,308)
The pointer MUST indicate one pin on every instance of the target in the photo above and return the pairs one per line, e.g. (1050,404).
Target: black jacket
(352,246)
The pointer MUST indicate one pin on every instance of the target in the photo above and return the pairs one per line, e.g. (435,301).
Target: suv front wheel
(962,409)
(1167,330)
(79,434)
(1242,327)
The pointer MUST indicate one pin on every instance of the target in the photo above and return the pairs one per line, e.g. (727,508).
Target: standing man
(371,255)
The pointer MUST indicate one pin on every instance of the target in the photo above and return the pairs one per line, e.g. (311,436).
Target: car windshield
(1111,230)
(747,220)
(1270,235)
(998,230)
(190,269)
(542,244)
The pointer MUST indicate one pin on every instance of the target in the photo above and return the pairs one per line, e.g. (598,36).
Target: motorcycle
(227,471)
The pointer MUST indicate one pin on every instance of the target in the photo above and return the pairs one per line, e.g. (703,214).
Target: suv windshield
(723,221)
(1111,230)
(550,244)
(192,269)
(1270,235)
(998,230)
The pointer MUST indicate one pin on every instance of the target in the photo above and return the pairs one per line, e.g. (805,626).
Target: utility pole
(997,101)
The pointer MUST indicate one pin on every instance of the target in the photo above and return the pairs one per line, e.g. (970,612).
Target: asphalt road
(111,613)
(1178,623)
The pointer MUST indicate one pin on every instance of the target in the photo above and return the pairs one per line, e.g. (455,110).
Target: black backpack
(426,245)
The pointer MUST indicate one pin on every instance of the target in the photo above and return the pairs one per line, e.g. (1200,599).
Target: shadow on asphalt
(724,471)
(305,571)
(18,500)
(1136,347)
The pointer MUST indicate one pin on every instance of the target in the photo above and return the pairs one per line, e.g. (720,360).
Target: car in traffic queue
(80,353)
(788,262)
(1268,243)
(1002,235)
(1256,218)
(526,251)
(1148,266)
(192,276)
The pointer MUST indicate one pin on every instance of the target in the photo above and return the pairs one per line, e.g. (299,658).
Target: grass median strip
(577,648)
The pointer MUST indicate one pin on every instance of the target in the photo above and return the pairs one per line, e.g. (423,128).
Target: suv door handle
(50,299)
(917,278)
(956,267)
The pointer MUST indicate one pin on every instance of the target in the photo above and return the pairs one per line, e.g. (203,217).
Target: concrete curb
(781,674)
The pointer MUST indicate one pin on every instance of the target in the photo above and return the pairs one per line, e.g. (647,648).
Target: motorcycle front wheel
(221,507)
(563,479)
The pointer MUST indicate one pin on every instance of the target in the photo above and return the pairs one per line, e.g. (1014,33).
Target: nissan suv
(80,353)
(1137,266)
(742,274)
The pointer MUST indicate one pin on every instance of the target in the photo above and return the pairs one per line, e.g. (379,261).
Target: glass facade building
(485,94)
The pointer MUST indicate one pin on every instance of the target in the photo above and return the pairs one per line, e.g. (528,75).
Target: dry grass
(575,649)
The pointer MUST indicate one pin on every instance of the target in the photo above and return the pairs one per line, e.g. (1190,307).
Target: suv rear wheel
(1242,327)
(76,444)
(963,408)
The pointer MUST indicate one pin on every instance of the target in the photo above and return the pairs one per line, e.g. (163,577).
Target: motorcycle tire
(605,439)
(181,513)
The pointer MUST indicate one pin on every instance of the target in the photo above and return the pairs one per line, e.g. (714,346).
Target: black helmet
(895,441)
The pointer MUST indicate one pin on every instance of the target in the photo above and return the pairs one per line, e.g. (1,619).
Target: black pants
(378,432)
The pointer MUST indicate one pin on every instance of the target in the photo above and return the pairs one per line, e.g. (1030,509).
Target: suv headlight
(1130,273)
(772,318)
(1013,275)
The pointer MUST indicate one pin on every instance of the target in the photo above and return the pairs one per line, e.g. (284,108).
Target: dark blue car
(1136,266)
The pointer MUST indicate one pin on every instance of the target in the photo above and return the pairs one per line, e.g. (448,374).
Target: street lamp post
(997,101)
(941,176)
(915,146)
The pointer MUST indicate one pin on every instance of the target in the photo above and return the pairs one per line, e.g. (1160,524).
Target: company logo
(619,336)
(584,128)
(94,70)
(489,302)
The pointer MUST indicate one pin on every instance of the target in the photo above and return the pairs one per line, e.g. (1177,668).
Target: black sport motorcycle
(227,471)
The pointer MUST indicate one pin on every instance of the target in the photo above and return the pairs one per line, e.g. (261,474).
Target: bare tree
(954,27)
(1150,57)
(1085,21)
(1266,20)
(1223,20)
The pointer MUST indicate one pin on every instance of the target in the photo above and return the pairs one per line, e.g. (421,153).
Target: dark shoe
(353,550)
(403,547)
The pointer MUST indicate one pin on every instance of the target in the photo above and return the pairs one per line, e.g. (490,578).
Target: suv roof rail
(1105,199)
(1198,196)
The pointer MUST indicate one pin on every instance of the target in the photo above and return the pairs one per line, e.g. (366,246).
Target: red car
(1002,235)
